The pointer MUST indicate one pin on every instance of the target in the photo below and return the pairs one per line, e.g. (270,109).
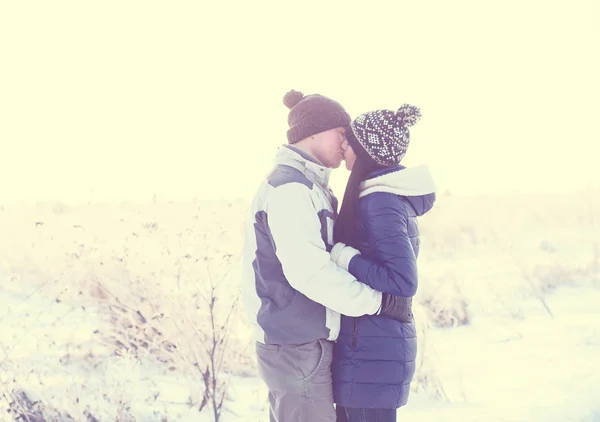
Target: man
(294,292)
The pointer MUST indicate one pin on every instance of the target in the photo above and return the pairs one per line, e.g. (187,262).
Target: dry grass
(147,269)
(483,256)
(153,272)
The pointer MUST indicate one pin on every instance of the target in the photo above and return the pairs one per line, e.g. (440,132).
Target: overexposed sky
(124,100)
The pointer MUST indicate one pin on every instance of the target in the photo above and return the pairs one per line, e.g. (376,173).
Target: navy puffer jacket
(374,357)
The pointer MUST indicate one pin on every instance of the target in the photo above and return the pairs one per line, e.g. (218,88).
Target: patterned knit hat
(312,114)
(384,134)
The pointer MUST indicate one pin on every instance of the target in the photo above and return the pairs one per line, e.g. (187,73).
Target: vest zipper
(354,331)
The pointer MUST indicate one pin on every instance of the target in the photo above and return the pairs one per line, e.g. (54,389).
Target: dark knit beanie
(384,134)
(312,114)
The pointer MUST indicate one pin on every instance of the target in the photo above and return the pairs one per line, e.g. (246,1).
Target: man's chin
(336,165)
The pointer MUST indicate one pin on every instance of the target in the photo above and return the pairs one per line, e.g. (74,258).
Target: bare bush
(163,295)
(445,306)
(23,407)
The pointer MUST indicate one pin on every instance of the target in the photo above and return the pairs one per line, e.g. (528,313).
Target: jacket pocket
(354,332)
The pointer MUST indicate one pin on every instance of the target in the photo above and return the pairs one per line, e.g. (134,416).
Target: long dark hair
(345,225)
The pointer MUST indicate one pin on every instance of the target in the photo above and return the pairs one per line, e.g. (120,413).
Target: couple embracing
(329,293)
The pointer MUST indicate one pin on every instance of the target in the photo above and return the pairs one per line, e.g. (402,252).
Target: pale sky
(123,100)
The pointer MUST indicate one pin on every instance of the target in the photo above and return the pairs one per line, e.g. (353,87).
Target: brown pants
(299,381)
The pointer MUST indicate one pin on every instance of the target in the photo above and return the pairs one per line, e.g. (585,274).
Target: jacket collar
(291,156)
(415,184)
(399,180)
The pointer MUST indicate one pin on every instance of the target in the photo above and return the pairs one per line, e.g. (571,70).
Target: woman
(377,240)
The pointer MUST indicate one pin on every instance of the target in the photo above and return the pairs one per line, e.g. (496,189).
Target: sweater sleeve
(296,231)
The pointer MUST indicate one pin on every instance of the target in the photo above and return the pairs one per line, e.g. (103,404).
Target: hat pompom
(292,98)
(408,115)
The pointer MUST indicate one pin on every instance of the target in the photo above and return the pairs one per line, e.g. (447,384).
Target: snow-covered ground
(536,369)
(527,287)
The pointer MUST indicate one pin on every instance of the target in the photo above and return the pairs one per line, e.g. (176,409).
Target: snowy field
(534,370)
(103,317)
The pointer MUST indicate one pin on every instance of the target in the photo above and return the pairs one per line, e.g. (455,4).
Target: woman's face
(349,155)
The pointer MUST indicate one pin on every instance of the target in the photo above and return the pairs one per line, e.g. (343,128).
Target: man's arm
(307,266)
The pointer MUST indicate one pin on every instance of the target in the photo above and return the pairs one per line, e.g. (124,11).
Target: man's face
(327,147)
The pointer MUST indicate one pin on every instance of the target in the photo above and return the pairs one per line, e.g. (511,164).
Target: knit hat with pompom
(384,134)
(312,114)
